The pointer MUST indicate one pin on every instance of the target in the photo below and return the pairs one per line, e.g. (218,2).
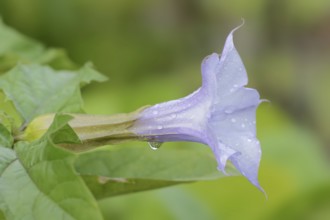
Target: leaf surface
(125,169)
(37,181)
(6,140)
(16,47)
(36,90)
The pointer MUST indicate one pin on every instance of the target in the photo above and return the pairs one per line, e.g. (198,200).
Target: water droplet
(235,85)
(228,110)
(249,140)
(155,145)
(233,120)
(243,125)
(173,116)
(155,112)
(159,127)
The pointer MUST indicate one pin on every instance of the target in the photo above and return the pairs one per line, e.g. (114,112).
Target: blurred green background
(152,49)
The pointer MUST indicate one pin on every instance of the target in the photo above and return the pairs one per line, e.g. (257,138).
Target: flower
(220,114)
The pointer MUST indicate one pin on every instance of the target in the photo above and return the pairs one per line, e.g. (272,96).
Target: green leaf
(6,139)
(104,187)
(140,162)
(60,131)
(131,168)
(56,58)
(37,90)
(16,47)
(38,181)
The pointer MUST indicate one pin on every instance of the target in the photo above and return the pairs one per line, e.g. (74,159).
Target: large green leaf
(124,169)
(104,187)
(36,89)
(16,47)
(16,44)
(38,181)
(6,140)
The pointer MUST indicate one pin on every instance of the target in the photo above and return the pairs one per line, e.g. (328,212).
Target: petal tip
(239,26)
(222,169)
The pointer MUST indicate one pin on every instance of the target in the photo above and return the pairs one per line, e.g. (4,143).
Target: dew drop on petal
(233,120)
(229,110)
(155,112)
(155,145)
(159,127)
(243,125)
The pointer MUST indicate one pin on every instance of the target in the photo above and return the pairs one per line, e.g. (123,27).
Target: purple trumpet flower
(220,114)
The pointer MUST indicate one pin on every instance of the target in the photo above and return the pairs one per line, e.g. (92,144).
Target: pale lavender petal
(247,162)
(233,114)
(209,65)
(237,132)
(239,99)
(230,72)
(221,152)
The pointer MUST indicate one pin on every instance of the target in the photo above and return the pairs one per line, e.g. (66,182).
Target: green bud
(37,128)
(92,130)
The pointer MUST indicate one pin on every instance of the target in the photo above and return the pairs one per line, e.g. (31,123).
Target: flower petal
(236,131)
(230,72)
(247,162)
(209,65)
(232,125)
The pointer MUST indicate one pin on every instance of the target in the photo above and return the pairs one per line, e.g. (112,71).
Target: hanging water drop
(155,145)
